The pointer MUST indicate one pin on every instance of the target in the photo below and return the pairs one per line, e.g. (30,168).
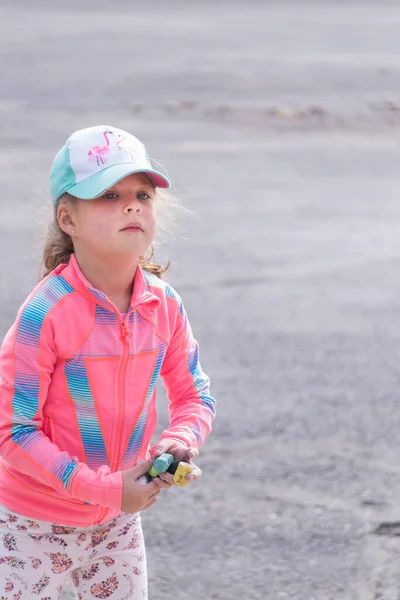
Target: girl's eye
(110,196)
(143,196)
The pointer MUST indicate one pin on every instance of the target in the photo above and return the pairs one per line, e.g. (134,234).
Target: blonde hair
(59,246)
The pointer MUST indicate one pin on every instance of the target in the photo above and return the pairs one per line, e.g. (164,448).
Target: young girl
(78,374)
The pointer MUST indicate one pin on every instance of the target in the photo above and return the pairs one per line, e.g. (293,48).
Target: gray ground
(280,123)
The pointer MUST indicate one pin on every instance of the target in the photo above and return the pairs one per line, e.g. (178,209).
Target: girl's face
(120,222)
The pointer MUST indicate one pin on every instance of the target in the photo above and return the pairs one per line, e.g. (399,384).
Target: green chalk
(162,462)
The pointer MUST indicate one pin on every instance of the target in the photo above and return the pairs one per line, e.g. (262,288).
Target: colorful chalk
(165,463)
(181,473)
(162,462)
(180,469)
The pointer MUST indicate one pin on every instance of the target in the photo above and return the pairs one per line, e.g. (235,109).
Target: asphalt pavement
(279,123)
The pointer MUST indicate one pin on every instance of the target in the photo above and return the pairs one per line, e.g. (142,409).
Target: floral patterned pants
(103,561)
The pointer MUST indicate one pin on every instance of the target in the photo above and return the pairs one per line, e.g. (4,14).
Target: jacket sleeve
(191,407)
(27,360)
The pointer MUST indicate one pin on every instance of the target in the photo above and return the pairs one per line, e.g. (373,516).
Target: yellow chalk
(180,474)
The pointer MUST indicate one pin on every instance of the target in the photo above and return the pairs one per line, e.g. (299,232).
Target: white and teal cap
(96,158)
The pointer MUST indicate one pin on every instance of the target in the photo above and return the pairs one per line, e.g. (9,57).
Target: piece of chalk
(181,472)
(153,472)
(162,462)
(173,467)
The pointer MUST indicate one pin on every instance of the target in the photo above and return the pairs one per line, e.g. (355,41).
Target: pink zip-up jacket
(77,394)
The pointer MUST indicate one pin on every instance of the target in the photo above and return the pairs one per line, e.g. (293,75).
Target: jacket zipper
(49,428)
(125,335)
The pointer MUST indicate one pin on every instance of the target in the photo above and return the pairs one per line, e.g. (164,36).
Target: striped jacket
(77,394)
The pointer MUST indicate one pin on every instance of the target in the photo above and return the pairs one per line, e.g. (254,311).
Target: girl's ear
(65,219)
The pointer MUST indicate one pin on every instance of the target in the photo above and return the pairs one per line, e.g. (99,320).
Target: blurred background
(279,123)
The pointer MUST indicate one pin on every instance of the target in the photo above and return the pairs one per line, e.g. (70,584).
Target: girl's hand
(179,452)
(138,496)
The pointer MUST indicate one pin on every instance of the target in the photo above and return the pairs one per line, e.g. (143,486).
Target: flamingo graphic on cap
(100,153)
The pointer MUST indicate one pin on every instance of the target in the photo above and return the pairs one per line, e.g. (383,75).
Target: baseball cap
(94,159)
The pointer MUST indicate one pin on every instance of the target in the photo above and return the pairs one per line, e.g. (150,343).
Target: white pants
(103,561)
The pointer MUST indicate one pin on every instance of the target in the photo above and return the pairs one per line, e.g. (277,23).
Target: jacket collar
(74,276)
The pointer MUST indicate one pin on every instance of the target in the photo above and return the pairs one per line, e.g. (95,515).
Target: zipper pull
(124,331)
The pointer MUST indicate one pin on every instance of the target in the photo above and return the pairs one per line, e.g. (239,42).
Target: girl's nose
(133,205)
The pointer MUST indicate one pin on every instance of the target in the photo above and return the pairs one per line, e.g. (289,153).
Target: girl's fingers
(179,451)
(167,477)
(187,454)
(195,474)
(163,483)
(154,491)
(193,453)
(151,503)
